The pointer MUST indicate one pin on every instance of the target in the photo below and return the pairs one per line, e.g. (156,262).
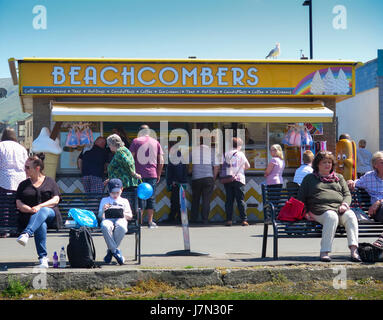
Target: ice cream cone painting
(52,150)
(329,81)
(342,84)
(317,84)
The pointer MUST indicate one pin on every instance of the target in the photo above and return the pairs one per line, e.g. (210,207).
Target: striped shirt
(372,184)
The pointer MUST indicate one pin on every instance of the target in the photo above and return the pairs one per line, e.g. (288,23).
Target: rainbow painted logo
(329,81)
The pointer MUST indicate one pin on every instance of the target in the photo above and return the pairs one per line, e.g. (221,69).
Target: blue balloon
(144,191)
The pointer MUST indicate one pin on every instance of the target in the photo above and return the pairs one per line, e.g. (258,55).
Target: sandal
(324,257)
(379,243)
(355,256)
(356,259)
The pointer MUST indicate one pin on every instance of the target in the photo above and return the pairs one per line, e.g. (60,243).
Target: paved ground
(228,247)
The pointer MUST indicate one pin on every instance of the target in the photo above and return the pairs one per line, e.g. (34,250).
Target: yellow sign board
(185,78)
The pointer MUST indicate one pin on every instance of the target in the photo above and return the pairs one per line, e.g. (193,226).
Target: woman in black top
(37,199)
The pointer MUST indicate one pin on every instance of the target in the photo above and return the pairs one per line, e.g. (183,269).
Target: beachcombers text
(148,76)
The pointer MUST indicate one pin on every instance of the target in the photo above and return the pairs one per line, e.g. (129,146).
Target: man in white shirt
(363,159)
(204,173)
(12,161)
(305,168)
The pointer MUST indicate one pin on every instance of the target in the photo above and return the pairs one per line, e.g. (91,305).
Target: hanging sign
(186,78)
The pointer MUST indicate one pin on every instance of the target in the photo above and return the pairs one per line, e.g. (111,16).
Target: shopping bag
(83,217)
(226,174)
(293,210)
(370,253)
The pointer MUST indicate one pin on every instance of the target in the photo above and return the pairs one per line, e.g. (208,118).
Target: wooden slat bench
(275,198)
(88,201)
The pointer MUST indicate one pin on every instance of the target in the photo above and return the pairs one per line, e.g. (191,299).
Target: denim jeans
(37,226)
(235,190)
(201,188)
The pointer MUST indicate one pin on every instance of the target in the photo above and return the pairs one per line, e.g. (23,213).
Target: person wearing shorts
(149,161)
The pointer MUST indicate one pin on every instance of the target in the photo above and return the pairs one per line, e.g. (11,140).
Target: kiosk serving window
(258,139)
(260,136)
(256,145)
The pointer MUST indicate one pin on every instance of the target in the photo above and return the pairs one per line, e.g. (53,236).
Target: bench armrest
(269,207)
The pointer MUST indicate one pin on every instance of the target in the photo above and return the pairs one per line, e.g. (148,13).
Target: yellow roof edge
(41,59)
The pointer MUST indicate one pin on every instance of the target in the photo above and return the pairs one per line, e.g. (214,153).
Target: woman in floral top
(122,165)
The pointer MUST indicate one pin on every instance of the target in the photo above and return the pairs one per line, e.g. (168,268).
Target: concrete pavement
(233,248)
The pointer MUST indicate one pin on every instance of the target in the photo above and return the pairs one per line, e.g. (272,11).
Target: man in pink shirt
(149,161)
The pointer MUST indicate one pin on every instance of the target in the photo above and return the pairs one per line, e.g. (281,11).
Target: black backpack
(369,253)
(81,250)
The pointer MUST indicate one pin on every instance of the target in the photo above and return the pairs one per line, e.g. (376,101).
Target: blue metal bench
(275,198)
(90,201)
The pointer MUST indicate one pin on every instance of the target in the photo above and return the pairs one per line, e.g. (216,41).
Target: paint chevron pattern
(253,199)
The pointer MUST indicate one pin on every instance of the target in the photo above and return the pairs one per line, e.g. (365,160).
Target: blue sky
(208,29)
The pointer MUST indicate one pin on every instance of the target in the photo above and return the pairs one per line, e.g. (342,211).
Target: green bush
(15,288)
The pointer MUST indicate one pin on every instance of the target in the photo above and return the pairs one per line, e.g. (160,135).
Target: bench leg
(264,243)
(135,247)
(139,247)
(275,256)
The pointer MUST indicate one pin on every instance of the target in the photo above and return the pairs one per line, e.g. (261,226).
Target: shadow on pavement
(17,265)
(303,259)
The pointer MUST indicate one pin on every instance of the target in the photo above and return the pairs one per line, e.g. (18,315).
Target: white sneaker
(23,239)
(152,225)
(44,262)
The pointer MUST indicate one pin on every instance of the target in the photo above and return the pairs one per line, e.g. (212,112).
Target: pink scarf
(332,177)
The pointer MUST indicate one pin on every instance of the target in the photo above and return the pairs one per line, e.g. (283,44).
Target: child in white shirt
(115,212)
(305,168)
